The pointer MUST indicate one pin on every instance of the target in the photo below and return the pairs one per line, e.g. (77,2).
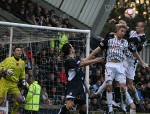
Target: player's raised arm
(134,49)
(91,61)
(94,52)
(102,46)
(137,56)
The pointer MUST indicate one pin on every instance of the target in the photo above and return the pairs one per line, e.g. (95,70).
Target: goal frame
(11,25)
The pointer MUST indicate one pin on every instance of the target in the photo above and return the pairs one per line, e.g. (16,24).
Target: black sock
(63,110)
(117,94)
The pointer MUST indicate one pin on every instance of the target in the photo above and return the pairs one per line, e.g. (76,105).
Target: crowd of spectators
(33,13)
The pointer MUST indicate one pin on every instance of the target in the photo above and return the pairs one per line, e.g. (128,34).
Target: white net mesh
(43,58)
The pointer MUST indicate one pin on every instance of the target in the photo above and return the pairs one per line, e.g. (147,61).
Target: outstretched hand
(100,59)
(145,65)
(10,72)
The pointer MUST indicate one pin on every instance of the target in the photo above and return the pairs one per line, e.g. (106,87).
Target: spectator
(52,12)
(32,20)
(33,97)
(55,96)
(138,77)
(46,15)
(96,77)
(94,105)
(51,82)
(147,91)
(97,85)
(143,72)
(49,101)
(138,87)
(147,106)
(42,61)
(62,76)
(30,55)
(66,22)
(44,95)
(92,91)
(147,78)
(22,14)
(60,87)
(42,21)
(63,40)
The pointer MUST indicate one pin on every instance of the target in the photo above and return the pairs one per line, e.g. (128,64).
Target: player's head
(67,49)
(31,79)
(17,51)
(140,27)
(121,30)
(121,21)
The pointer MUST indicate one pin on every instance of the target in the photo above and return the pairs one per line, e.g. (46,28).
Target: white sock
(101,88)
(129,99)
(109,100)
(132,111)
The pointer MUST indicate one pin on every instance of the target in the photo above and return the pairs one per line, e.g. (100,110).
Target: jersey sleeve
(4,64)
(136,43)
(104,44)
(132,47)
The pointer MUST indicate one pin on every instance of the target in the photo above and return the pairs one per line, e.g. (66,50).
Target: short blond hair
(118,26)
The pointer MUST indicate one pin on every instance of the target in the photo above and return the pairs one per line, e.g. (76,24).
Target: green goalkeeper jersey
(17,66)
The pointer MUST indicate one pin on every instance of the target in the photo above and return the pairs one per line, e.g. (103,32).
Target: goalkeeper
(12,70)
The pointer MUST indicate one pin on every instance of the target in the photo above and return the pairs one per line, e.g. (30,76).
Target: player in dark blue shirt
(75,92)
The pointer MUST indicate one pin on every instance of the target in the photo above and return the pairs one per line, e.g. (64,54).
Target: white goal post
(28,35)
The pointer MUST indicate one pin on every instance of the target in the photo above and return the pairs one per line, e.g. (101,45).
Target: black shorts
(80,99)
(76,91)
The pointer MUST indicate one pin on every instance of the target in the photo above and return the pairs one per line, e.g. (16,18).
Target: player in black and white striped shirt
(115,48)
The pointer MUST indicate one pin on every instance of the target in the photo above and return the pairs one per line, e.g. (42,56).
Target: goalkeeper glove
(24,83)
(9,72)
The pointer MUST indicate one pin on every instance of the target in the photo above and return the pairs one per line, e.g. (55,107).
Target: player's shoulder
(22,61)
(69,60)
(9,58)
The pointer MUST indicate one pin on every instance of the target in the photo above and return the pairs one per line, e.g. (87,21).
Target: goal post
(37,40)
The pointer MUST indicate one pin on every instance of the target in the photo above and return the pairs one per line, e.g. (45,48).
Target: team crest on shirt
(122,40)
(17,64)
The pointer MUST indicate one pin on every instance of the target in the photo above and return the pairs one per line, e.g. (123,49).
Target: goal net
(42,54)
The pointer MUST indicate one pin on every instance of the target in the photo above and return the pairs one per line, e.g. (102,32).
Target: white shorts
(131,68)
(115,71)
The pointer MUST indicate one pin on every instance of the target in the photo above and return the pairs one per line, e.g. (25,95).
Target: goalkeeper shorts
(9,87)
